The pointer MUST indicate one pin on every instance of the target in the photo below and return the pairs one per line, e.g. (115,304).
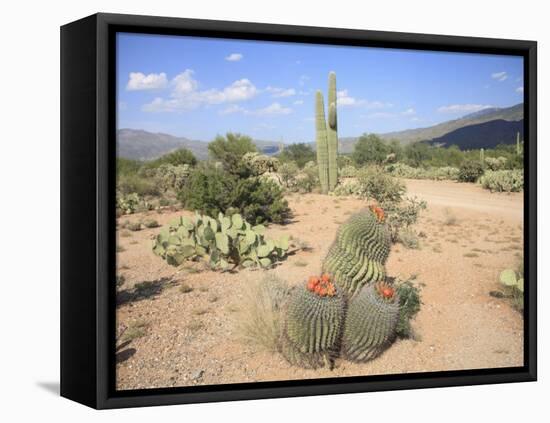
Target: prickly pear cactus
(313,324)
(223,242)
(370,323)
(359,253)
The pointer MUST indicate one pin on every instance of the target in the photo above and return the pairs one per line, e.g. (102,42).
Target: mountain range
(483,129)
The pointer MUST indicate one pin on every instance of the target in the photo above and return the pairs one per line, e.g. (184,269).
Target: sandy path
(190,338)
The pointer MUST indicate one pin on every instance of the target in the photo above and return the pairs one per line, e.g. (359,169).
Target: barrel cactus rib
(370,323)
(359,253)
(313,327)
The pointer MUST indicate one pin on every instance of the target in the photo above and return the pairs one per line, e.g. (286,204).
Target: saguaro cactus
(518,144)
(482,157)
(332,133)
(321,140)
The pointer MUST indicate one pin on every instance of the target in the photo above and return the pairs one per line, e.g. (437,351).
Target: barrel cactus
(313,324)
(359,253)
(371,322)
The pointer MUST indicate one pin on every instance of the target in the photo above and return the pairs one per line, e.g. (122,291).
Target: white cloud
(463,108)
(519,90)
(343,99)
(280,92)
(500,76)
(409,112)
(139,81)
(298,102)
(272,109)
(234,57)
(184,84)
(380,115)
(185,94)
(234,108)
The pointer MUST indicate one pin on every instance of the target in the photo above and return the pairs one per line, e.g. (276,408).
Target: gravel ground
(190,338)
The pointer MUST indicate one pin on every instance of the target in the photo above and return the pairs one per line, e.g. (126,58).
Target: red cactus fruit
(378,212)
(321,286)
(386,291)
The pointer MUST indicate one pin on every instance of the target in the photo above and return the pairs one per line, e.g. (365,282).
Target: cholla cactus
(260,163)
(172,177)
(359,253)
(313,324)
(371,321)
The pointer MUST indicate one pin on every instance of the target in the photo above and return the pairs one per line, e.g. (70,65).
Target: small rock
(197,374)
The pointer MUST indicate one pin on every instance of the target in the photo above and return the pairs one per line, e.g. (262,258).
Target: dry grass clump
(449,219)
(260,316)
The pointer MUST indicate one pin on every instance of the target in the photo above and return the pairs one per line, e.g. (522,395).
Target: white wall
(29,275)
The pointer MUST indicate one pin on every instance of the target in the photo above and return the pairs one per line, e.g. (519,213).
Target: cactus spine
(370,323)
(359,253)
(332,133)
(313,327)
(321,140)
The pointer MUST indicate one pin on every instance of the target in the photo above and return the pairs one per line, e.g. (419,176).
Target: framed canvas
(258,211)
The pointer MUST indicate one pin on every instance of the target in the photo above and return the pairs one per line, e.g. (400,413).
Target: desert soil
(190,338)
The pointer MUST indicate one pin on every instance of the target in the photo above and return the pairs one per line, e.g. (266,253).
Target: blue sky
(201,87)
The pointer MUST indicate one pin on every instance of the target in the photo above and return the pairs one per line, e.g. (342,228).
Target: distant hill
(467,132)
(482,135)
(510,114)
(138,144)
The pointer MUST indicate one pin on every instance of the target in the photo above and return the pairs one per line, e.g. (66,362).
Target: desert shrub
(288,172)
(150,223)
(502,180)
(369,149)
(403,170)
(258,164)
(229,150)
(260,319)
(127,166)
(348,172)
(259,201)
(133,226)
(470,171)
(128,203)
(211,190)
(409,306)
(134,183)
(409,239)
(299,153)
(171,177)
(179,157)
(377,185)
(344,161)
(207,189)
(308,179)
(402,215)
(495,163)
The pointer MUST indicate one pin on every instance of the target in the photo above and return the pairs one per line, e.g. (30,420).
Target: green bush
(171,177)
(377,185)
(259,201)
(130,183)
(211,190)
(502,180)
(296,180)
(179,157)
(401,216)
(299,153)
(229,150)
(369,149)
(403,170)
(348,172)
(409,306)
(495,163)
(470,171)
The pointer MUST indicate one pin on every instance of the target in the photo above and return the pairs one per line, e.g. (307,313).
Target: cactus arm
(321,141)
(332,132)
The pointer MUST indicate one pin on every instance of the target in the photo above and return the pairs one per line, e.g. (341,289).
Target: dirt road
(189,336)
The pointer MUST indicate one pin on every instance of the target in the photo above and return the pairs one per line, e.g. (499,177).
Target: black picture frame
(88,211)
